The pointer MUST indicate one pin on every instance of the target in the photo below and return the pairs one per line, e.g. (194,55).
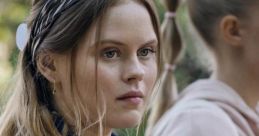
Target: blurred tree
(12,13)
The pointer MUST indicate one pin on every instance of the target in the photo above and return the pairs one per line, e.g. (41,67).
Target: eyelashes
(116,53)
(145,51)
(110,53)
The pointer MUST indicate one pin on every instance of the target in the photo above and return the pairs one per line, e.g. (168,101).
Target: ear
(46,65)
(230,30)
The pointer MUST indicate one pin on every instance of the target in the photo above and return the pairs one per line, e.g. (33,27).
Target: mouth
(132,97)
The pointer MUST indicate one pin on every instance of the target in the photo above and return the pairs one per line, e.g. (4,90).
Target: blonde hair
(172,47)
(29,109)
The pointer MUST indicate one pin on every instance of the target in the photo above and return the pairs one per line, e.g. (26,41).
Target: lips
(131,94)
(132,98)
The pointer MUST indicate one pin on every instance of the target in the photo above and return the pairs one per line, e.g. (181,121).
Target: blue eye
(110,53)
(145,52)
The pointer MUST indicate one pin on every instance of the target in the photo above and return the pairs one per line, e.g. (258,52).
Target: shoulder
(196,118)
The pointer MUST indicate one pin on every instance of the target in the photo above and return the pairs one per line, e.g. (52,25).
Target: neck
(242,80)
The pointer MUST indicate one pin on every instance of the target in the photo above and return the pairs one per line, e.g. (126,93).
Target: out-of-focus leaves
(12,13)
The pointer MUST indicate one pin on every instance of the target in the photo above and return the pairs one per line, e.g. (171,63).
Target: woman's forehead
(126,22)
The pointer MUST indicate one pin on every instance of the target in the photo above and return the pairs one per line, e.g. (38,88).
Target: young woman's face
(119,74)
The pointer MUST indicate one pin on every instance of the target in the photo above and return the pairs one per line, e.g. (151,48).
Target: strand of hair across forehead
(46,18)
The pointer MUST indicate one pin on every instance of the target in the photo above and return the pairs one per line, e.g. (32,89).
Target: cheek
(108,79)
(252,47)
(252,34)
(151,76)
(252,57)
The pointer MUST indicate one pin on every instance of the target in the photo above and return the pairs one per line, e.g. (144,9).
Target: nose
(133,71)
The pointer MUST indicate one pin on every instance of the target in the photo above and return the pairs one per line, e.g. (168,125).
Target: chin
(127,120)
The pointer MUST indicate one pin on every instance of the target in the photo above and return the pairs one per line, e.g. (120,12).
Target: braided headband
(48,15)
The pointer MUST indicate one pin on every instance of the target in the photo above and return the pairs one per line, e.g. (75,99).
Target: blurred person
(226,104)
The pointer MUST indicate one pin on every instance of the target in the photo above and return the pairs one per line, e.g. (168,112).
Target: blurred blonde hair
(172,47)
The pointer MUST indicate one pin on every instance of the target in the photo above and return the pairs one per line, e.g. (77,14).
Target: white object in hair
(170,67)
(22,36)
(170,15)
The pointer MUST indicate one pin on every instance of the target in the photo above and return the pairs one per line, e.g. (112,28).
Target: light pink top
(209,108)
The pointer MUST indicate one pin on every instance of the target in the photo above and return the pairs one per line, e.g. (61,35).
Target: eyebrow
(106,41)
